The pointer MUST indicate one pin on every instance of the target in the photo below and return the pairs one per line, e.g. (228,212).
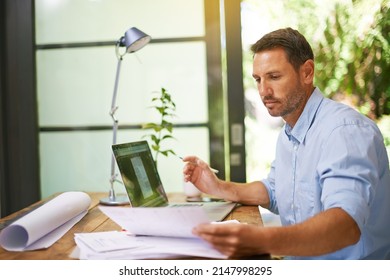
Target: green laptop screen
(139,174)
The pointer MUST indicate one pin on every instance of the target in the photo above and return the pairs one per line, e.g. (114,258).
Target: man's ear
(307,71)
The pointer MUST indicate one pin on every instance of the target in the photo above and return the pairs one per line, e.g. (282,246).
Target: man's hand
(199,173)
(233,240)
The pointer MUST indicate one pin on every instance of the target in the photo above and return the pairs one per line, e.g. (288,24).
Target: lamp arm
(114,95)
(114,107)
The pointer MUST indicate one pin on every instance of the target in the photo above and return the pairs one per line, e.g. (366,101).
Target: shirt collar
(305,120)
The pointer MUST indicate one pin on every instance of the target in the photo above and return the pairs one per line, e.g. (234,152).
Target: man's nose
(263,88)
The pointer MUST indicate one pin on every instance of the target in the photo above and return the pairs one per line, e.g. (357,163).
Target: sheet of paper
(108,241)
(45,225)
(269,219)
(121,245)
(157,221)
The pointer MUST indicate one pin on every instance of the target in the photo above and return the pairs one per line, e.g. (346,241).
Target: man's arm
(199,173)
(324,233)
(254,193)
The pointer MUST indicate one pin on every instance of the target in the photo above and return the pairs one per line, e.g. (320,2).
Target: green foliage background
(353,57)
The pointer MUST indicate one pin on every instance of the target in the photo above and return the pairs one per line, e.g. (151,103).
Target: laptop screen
(139,174)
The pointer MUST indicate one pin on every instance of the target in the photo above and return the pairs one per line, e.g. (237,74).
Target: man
(330,180)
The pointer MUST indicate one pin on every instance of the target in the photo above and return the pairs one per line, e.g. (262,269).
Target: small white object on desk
(190,190)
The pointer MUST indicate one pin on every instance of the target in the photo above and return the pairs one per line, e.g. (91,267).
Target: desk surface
(96,221)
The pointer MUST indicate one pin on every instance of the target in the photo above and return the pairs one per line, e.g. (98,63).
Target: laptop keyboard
(185,204)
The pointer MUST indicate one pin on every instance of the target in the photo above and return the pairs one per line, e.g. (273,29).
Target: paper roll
(46,224)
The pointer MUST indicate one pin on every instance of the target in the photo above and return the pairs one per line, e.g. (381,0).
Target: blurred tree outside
(350,41)
(353,58)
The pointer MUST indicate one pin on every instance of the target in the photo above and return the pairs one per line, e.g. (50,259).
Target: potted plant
(162,102)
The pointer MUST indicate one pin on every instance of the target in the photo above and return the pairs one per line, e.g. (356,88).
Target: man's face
(281,88)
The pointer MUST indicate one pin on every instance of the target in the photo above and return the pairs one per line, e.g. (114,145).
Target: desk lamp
(134,39)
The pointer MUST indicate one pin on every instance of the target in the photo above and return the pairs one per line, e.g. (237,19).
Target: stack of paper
(149,233)
(121,245)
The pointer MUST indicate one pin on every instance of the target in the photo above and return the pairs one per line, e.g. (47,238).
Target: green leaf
(167,136)
(154,138)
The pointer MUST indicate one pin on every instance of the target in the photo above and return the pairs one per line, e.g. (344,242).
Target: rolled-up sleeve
(269,183)
(348,170)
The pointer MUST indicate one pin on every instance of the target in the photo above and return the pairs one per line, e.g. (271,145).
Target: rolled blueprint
(45,225)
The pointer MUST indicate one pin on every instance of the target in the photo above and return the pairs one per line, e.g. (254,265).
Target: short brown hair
(297,49)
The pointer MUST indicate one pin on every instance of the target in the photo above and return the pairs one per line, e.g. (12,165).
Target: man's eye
(275,77)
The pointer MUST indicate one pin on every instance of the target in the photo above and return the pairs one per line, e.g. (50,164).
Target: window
(76,66)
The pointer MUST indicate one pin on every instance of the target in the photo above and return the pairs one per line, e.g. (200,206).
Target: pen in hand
(212,169)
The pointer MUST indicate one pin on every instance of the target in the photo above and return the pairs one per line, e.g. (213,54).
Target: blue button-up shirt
(334,157)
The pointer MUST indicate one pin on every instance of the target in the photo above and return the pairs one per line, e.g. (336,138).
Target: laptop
(143,184)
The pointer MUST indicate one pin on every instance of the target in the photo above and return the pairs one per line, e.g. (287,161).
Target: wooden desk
(96,221)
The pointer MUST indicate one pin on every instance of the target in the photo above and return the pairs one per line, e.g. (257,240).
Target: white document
(149,233)
(157,221)
(45,225)
(269,219)
(108,241)
(121,245)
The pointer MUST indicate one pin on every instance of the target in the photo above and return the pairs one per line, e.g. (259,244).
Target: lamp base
(115,201)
